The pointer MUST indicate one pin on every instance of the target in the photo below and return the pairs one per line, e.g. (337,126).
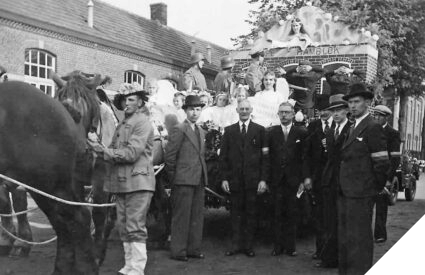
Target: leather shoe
(326,265)
(233,252)
(250,253)
(291,253)
(277,251)
(197,256)
(180,258)
(380,240)
(315,256)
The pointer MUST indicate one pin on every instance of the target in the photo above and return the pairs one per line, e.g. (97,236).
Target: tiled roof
(111,24)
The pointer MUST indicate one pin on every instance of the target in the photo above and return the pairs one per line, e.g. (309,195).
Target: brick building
(333,44)
(95,37)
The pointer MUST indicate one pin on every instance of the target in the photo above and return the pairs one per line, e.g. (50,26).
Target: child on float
(178,102)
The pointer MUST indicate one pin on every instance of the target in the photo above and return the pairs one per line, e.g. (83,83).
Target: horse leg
(99,213)
(65,255)
(20,203)
(6,242)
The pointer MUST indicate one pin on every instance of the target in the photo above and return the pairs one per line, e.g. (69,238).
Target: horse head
(77,92)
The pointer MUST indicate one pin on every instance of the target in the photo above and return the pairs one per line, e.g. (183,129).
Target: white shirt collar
(358,120)
(192,125)
(385,125)
(342,125)
(288,127)
(246,124)
(330,119)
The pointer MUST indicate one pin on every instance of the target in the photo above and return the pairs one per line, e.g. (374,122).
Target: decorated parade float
(318,38)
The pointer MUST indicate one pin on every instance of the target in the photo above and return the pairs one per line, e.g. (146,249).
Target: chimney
(159,13)
(90,6)
(209,54)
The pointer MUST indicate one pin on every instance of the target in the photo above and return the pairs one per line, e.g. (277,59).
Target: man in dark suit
(288,170)
(329,183)
(381,113)
(318,154)
(187,171)
(243,166)
(364,164)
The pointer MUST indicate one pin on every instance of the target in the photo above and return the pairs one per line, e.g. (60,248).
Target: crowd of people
(269,142)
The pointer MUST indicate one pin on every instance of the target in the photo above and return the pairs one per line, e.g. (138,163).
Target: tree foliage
(400,25)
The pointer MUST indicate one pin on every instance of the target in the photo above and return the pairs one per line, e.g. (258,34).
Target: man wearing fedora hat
(187,171)
(330,179)
(363,173)
(255,72)
(193,79)
(318,154)
(131,176)
(304,75)
(381,114)
(223,81)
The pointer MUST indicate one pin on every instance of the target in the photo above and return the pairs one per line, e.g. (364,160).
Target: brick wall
(72,54)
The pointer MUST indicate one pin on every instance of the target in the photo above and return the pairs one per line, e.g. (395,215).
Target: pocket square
(297,141)
(359,138)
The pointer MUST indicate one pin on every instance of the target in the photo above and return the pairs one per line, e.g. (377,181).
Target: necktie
(285,132)
(198,137)
(243,129)
(326,127)
(336,132)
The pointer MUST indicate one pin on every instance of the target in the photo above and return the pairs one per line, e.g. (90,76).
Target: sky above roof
(213,20)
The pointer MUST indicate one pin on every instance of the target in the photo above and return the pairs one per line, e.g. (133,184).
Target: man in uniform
(243,166)
(288,173)
(318,153)
(381,112)
(193,79)
(223,81)
(330,181)
(187,171)
(131,177)
(363,173)
(255,72)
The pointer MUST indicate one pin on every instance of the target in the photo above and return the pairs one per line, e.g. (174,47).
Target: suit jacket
(364,160)
(244,160)
(307,80)
(330,174)
(185,157)
(288,158)
(254,77)
(195,79)
(223,81)
(393,146)
(129,157)
(316,153)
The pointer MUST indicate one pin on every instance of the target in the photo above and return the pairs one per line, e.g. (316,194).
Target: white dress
(265,107)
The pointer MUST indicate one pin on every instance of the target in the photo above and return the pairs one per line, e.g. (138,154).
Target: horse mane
(79,93)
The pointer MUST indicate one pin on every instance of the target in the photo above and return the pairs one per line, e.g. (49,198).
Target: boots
(139,258)
(127,256)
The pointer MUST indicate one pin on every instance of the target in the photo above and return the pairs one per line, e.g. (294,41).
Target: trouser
(318,219)
(355,238)
(187,204)
(329,253)
(285,218)
(243,212)
(132,209)
(381,201)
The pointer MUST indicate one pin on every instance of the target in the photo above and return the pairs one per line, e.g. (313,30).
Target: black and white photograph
(150,137)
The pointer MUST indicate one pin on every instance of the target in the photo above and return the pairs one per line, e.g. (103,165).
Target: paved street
(217,233)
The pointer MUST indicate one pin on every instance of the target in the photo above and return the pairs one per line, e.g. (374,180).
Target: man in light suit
(363,173)
(289,170)
(243,167)
(187,171)
(130,175)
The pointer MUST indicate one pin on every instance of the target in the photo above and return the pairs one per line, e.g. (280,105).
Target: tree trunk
(402,121)
(423,138)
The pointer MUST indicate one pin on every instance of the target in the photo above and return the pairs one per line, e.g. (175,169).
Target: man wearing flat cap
(381,114)
(335,137)
(363,173)
(187,171)
(193,79)
(255,72)
(304,75)
(130,175)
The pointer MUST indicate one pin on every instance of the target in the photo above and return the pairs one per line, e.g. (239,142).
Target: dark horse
(40,145)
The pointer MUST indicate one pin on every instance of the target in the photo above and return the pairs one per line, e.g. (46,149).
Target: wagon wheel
(410,193)
(394,192)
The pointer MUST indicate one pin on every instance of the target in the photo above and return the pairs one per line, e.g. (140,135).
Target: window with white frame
(37,64)
(134,76)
